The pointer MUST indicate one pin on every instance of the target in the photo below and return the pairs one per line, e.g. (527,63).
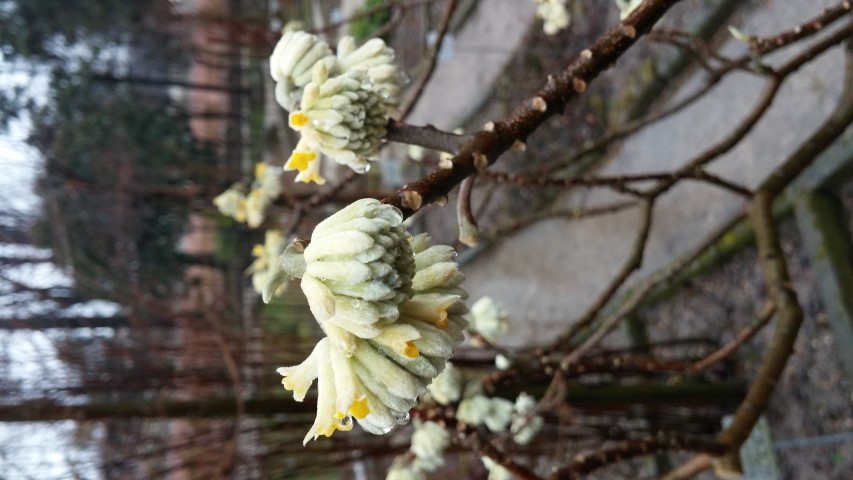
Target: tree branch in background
(486,146)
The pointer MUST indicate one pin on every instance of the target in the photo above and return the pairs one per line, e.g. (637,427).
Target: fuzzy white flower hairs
(339,103)
(392,310)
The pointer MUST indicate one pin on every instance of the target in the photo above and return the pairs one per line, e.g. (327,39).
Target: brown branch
(565,213)
(426,136)
(486,146)
(635,260)
(584,464)
(762,46)
(690,468)
(432,58)
(742,337)
(780,291)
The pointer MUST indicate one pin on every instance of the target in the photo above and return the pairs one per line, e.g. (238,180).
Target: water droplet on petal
(346,421)
(387,429)
(403,419)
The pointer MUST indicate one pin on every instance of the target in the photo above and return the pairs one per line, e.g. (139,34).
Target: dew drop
(403,418)
(346,421)
(387,429)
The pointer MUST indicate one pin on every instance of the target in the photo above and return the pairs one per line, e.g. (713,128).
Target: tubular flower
(232,203)
(291,63)
(376,59)
(266,265)
(391,311)
(340,117)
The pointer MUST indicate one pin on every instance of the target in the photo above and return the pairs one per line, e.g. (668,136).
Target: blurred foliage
(45,29)
(365,27)
(115,164)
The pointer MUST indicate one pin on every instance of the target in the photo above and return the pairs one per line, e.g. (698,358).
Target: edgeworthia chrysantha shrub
(338,102)
(339,117)
(391,308)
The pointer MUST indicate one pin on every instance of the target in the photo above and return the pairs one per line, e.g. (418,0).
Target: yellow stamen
(258,251)
(260,168)
(410,350)
(307,177)
(298,119)
(299,161)
(359,409)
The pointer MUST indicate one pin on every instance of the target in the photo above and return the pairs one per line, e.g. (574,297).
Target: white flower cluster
(339,102)
(554,15)
(429,441)
(489,319)
(266,265)
(391,308)
(498,413)
(252,208)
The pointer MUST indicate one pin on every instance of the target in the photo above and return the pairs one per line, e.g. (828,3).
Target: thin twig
(486,146)
(634,261)
(780,291)
(432,58)
(761,320)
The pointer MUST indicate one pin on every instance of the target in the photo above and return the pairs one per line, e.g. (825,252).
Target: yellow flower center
(410,350)
(300,160)
(359,409)
(258,251)
(298,119)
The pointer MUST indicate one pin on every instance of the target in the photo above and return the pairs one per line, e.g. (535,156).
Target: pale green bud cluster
(339,118)
(339,103)
(266,264)
(554,15)
(391,308)
(489,319)
(498,414)
(447,386)
(252,208)
(232,203)
(377,60)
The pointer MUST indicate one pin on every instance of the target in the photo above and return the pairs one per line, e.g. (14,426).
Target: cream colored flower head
(341,117)
(489,319)
(391,308)
(376,59)
(291,63)
(447,386)
(232,203)
(266,265)
(525,426)
(428,443)
(554,14)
